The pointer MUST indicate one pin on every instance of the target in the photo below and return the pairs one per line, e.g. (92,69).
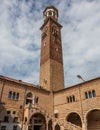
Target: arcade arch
(37,122)
(74,118)
(93,119)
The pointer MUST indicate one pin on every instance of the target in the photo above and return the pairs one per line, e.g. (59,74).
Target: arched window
(29,98)
(14,95)
(86,95)
(73,98)
(70,98)
(90,94)
(93,93)
(10,95)
(17,96)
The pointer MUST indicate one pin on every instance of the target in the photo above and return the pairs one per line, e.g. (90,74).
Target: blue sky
(20,38)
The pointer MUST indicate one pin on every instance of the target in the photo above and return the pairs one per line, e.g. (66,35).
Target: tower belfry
(51,62)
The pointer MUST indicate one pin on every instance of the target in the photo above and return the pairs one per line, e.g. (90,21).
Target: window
(10,95)
(68,99)
(13,95)
(3,127)
(93,93)
(50,13)
(86,95)
(71,99)
(15,119)
(90,94)
(25,119)
(14,112)
(56,115)
(6,118)
(29,98)
(15,127)
(17,96)
(21,106)
(8,112)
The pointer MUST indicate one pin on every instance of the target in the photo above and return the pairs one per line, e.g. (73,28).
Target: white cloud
(20,22)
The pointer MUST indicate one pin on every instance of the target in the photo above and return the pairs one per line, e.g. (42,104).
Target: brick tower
(51,62)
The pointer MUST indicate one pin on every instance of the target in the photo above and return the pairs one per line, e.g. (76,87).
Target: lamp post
(80,77)
(84,124)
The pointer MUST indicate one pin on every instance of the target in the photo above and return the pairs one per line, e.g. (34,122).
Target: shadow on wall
(9,118)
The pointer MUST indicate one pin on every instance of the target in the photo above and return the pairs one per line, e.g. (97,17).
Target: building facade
(49,106)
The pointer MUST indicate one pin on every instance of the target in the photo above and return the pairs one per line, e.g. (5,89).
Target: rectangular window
(56,115)
(86,95)
(14,112)
(68,99)
(8,112)
(15,119)
(3,127)
(15,127)
(6,118)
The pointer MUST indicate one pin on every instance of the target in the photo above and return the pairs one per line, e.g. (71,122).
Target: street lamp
(80,77)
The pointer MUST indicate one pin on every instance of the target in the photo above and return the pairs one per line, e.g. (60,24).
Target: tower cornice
(49,18)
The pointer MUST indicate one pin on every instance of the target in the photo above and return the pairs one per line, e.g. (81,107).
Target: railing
(68,125)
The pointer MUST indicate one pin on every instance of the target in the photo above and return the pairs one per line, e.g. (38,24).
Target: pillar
(84,125)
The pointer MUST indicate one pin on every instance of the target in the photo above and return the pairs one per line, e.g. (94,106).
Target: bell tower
(51,61)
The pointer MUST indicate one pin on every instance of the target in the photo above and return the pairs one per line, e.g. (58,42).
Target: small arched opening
(37,122)
(29,97)
(50,125)
(57,127)
(93,120)
(75,119)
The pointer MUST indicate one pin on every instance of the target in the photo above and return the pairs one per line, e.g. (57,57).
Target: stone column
(84,125)
(61,127)
(47,126)
(53,127)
